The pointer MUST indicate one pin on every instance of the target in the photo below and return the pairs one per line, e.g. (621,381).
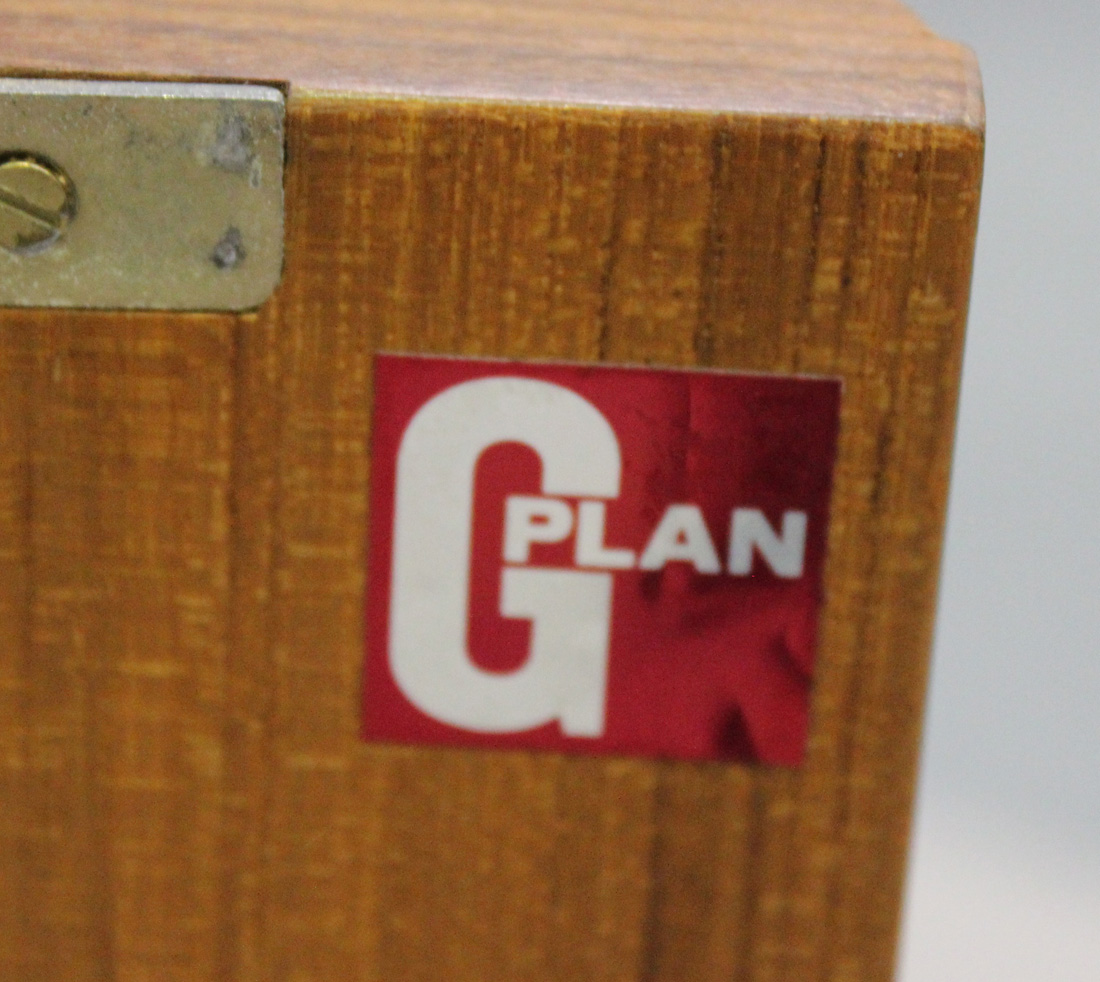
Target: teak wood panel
(856,58)
(182,565)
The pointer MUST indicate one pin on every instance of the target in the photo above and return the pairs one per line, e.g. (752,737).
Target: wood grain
(183,795)
(861,58)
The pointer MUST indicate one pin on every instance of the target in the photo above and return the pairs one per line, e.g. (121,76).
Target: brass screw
(37,202)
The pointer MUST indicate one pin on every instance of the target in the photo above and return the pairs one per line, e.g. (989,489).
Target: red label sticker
(596,560)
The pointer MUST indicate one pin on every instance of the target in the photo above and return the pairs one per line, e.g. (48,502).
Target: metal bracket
(140,195)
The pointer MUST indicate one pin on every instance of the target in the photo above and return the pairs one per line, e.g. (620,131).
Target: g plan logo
(596,560)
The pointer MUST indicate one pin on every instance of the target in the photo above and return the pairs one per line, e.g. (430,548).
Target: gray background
(1005,883)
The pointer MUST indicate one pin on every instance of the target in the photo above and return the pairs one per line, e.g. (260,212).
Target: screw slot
(37,203)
